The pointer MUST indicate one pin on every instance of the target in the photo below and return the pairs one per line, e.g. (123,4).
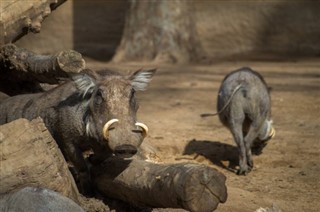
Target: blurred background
(225,29)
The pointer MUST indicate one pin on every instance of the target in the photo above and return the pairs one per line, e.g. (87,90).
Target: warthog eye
(132,92)
(98,99)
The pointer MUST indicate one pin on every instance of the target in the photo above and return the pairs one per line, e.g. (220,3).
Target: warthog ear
(141,78)
(85,83)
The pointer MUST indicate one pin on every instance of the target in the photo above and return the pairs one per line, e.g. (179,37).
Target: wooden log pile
(30,157)
(192,187)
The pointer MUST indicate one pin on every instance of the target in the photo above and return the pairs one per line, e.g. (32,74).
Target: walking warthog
(244,107)
(94,109)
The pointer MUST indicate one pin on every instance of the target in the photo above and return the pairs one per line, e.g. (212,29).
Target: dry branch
(189,186)
(21,70)
(26,65)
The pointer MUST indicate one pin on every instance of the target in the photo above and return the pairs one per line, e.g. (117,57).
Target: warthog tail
(203,115)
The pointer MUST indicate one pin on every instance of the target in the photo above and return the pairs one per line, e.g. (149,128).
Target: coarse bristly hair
(85,84)
(140,79)
(88,128)
(87,118)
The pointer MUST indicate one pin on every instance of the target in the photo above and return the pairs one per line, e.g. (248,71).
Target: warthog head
(111,107)
(266,133)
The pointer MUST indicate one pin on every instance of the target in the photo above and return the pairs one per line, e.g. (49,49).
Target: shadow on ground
(220,154)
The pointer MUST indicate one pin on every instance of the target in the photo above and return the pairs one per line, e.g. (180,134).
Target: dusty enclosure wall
(91,27)
(231,28)
(240,27)
(98,27)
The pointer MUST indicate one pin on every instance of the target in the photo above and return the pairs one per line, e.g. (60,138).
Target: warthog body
(37,199)
(244,107)
(91,110)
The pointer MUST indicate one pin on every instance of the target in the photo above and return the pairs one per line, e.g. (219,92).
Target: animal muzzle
(125,151)
(109,125)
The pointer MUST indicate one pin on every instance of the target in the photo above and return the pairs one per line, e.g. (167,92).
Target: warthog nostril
(125,150)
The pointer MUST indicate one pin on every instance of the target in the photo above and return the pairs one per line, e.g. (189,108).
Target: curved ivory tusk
(272,133)
(107,126)
(144,128)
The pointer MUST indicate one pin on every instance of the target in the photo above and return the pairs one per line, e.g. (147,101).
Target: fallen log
(20,17)
(29,66)
(192,187)
(21,70)
(30,157)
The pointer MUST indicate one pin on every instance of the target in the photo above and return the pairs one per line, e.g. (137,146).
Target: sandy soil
(285,176)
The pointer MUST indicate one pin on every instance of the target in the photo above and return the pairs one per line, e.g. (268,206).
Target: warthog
(244,107)
(37,199)
(94,109)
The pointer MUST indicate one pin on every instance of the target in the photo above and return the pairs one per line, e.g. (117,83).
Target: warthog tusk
(107,126)
(144,129)
(272,133)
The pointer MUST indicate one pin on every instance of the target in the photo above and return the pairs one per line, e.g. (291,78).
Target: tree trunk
(20,17)
(22,70)
(189,186)
(30,157)
(160,31)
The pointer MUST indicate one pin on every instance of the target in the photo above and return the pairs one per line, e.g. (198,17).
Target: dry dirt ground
(285,176)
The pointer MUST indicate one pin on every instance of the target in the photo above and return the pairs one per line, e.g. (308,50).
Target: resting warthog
(244,107)
(94,109)
(37,199)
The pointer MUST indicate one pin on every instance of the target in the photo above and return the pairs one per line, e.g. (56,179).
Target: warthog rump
(244,106)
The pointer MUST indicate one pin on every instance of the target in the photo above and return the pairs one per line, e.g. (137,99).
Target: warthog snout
(123,138)
(110,123)
(125,151)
